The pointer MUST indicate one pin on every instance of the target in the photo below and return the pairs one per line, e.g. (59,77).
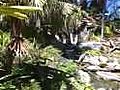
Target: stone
(84,76)
(93,68)
(108,75)
(92,45)
(103,59)
(101,89)
(117,67)
(94,60)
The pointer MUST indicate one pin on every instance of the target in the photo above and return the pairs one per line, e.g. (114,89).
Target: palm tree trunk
(16,28)
(16,46)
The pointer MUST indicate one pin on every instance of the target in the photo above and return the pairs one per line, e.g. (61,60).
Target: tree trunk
(16,28)
(16,46)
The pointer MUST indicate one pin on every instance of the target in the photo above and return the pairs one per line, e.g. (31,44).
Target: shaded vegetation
(43,45)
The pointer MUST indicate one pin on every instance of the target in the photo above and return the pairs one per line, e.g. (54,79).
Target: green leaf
(19,12)
(26,8)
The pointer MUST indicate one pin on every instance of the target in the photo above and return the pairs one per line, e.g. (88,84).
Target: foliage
(17,11)
(75,85)
(45,55)
(68,66)
(94,37)
(50,52)
(93,52)
(78,85)
(45,67)
(108,31)
(31,75)
(32,86)
(2,58)
(73,15)
(4,39)
(69,16)
(7,86)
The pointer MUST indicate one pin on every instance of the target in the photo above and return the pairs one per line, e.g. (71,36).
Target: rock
(84,76)
(92,45)
(103,59)
(117,67)
(100,84)
(101,89)
(111,65)
(93,68)
(94,60)
(81,57)
(108,75)
(113,60)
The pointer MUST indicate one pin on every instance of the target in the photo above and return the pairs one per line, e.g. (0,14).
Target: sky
(112,8)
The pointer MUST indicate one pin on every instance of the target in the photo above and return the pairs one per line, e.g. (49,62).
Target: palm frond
(25,8)
(19,12)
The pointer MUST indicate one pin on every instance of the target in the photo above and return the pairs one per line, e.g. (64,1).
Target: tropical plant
(4,39)
(17,15)
(66,28)
(43,67)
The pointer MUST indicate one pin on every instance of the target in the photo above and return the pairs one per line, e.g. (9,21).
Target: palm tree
(17,14)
